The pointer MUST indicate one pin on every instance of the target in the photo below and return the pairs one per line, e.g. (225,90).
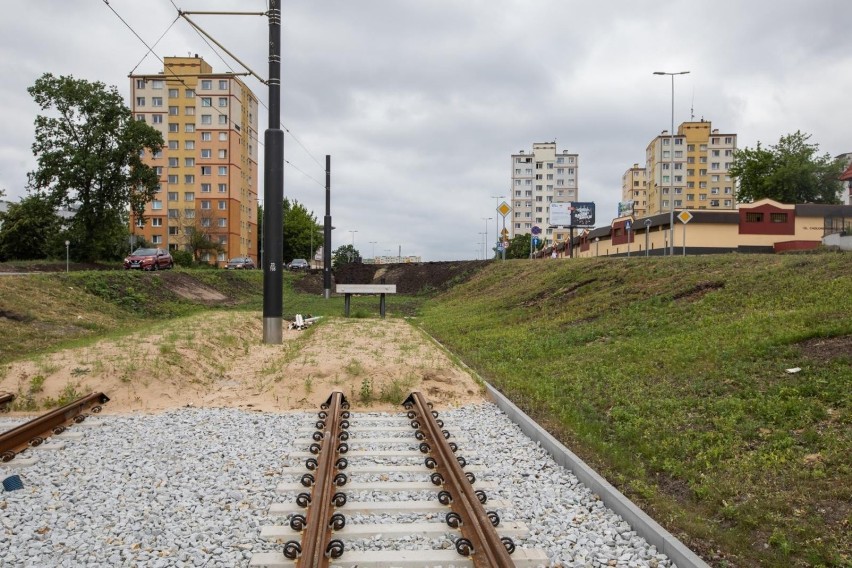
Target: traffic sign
(535,241)
(504,209)
(685,217)
(505,232)
(647,223)
(627,226)
(536,230)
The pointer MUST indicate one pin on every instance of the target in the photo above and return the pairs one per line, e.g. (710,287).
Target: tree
(30,230)
(789,172)
(344,255)
(519,246)
(298,226)
(89,156)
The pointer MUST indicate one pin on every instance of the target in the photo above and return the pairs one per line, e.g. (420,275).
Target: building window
(206,137)
(173,145)
(157,222)
(206,153)
(173,111)
(173,179)
(727,203)
(223,154)
(173,162)
(189,127)
(223,101)
(173,127)
(189,145)
(223,188)
(188,196)
(223,84)
(206,170)
(140,101)
(205,222)
(223,136)
(189,213)
(188,179)
(173,213)
(173,93)
(223,222)
(206,119)
(778,217)
(156,205)
(206,84)
(140,83)
(157,119)
(157,101)
(223,119)
(223,170)
(173,230)
(189,111)
(223,205)
(714,203)
(205,188)
(206,101)
(205,204)
(156,239)
(173,196)
(189,93)
(729,140)
(140,117)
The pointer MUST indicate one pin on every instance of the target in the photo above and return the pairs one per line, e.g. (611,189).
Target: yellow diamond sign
(504,209)
(685,217)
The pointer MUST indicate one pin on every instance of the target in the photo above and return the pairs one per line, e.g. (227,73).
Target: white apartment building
(540,178)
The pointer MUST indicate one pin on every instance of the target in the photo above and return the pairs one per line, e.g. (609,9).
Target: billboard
(625,208)
(572,214)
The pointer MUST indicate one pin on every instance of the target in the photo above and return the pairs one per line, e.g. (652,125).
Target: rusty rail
(479,538)
(317,548)
(6,399)
(36,430)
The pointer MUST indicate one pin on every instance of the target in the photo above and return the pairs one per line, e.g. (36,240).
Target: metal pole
(326,247)
(273,189)
(671,164)
(684,239)
(67,252)
(485,238)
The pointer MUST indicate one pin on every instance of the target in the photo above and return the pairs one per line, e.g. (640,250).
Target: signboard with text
(572,214)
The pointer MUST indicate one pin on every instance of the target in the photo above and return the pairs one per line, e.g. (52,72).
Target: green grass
(668,375)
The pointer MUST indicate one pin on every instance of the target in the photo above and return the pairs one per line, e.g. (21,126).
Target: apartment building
(540,178)
(692,168)
(634,190)
(208,167)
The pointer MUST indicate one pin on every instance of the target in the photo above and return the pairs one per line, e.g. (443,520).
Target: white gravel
(191,487)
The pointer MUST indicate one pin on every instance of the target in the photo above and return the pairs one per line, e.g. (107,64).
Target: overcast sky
(421,103)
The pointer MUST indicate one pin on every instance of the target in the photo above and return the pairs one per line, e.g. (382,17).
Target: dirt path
(218,360)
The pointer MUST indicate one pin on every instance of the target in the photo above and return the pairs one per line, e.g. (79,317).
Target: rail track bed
(219,488)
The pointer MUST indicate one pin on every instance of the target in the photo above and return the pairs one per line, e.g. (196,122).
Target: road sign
(627,226)
(647,223)
(504,209)
(535,241)
(685,217)
(505,232)
(536,230)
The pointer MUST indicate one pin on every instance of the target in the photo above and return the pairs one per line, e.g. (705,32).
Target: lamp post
(597,246)
(497,199)
(67,244)
(671,163)
(485,238)
(374,250)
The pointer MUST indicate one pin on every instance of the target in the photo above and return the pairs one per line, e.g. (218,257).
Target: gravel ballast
(192,487)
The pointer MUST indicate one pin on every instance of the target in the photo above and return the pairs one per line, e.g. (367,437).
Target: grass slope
(669,376)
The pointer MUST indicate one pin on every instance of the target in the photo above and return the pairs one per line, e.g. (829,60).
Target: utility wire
(155,43)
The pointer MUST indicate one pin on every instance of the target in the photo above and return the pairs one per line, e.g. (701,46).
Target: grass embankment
(43,312)
(669,376)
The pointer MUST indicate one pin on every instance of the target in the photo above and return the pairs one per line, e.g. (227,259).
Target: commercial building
(208,167)
(540,178)
(691,167)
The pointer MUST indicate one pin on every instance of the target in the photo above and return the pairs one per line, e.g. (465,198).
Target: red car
(149,259)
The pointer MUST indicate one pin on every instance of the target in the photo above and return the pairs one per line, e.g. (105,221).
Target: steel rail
(6,399)
(36,430)
(486,549)
(317,547)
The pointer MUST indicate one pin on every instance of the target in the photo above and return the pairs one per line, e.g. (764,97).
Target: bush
(182,258)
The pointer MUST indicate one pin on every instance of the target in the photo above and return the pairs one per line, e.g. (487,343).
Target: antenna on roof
(692,107)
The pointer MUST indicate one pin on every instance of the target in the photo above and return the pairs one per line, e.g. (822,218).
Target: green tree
(344,254)
(789,172)
(30,230)
(519,247)
(89,151)
(298,225)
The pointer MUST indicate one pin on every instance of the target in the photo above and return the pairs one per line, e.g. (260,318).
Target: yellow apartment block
(208,168)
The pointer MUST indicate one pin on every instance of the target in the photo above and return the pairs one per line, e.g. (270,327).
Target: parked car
(298,264)
(240,263)
(149,259)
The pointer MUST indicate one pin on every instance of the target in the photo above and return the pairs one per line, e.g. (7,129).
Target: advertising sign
(583,214)
(625,208)
(560,214)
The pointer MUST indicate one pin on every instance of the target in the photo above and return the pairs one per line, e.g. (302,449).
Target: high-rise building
(539,179)
(208,167)
(695,169)
(634,189)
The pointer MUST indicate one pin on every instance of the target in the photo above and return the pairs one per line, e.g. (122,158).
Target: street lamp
(496,220)
(374,250)
(671,163)
(353,237)
(67,244)
(485,238)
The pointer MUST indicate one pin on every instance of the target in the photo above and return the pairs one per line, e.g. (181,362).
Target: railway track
(326,516)
(37,430)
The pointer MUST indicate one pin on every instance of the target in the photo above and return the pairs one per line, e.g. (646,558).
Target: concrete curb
(645,526)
